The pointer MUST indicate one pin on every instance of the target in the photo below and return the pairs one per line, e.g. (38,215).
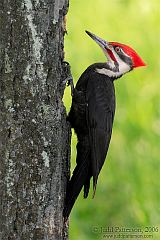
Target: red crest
(137,61)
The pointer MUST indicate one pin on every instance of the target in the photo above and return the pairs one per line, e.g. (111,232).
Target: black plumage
(91,116)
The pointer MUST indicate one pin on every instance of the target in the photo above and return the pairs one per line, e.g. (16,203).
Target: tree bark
(34,135)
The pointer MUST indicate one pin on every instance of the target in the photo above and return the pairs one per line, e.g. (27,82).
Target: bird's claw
(69,82)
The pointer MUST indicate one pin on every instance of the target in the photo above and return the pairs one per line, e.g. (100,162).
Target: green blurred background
(128,192)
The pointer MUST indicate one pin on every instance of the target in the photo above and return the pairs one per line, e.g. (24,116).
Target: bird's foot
(68,76)
(69,82)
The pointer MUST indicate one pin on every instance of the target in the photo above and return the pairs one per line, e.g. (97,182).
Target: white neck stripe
(108,72)
(113,72)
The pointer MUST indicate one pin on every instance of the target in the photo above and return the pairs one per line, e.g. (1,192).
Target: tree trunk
(34,135)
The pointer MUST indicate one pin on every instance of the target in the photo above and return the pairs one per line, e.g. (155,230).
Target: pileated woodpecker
(92,114)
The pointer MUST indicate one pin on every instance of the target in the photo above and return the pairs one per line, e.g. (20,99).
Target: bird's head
(121,58)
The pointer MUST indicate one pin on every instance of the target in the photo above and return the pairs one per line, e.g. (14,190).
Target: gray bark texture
(34,134)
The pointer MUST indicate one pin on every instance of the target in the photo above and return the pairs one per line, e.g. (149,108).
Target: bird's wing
(100,114)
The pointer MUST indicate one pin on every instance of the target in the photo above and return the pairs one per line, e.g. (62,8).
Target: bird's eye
(118,49)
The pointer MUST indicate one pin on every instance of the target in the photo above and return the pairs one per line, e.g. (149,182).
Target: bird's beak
(105,46)
(102,43)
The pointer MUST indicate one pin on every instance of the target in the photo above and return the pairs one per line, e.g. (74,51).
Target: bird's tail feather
(75,185)
(87,187)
